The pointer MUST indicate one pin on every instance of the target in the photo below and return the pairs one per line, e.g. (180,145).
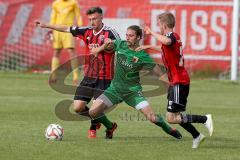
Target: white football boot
(197,141)
(209,124)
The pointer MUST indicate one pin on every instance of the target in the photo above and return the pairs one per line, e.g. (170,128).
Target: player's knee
(57,53)
(97,108)
(77,109)
(93,113)
(78,106)
(170,118)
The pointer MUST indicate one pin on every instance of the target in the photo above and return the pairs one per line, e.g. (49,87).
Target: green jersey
(128,65)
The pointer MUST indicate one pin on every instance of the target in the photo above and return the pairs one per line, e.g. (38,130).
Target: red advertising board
(204,26)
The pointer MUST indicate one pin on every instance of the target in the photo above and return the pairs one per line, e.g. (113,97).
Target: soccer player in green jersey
(125,85)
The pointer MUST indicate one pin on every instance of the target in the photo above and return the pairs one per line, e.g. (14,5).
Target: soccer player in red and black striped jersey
(98,69)
(172,56)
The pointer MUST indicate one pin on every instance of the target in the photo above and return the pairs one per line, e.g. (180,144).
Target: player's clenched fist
(146,29)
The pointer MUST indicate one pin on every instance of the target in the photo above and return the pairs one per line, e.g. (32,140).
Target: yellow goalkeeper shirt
(64,12)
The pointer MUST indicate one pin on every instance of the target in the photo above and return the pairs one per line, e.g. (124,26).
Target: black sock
(93,124)
(191,129)
(193,118)
(85,112)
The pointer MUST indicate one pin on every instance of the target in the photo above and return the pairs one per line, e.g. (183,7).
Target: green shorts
(135,98)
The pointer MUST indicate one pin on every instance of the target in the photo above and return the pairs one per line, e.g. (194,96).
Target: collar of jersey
(168,34)
(98,31)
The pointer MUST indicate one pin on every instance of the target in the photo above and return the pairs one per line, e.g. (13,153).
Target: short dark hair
(94,10)
(137,29)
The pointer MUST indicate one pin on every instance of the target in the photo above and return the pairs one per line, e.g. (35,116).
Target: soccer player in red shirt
(98,69)
(172,56)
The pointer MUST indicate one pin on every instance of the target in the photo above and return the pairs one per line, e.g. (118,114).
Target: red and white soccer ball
(54,132)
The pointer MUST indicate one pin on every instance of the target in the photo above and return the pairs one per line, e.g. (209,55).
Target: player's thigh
(57,40)
(84,91)
(101,86)
(135,99)
(105,101)
(177,98)
(110,97)
(68,40)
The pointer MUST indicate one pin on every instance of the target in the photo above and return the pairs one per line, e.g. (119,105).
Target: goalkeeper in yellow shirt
(64,12)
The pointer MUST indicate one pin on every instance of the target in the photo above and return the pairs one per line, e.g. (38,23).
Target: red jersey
(102,66)
(174,62)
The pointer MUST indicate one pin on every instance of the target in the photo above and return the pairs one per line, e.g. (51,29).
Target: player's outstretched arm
(60,28)
(143,47)
(163,39)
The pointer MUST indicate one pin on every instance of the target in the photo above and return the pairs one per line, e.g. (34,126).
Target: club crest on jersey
(135,59)
(101,37)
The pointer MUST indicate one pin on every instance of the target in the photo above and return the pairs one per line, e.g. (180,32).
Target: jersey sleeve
(113,34)
(78,31)
(172,37)
(116,44)
(147,62)
(120,45)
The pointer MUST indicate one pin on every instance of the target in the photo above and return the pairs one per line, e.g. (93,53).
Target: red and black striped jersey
(174,61)
(102,66)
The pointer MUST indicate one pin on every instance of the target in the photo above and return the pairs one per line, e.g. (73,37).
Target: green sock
(104,120)
(161,123)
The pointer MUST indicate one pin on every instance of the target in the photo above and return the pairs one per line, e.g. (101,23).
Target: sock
(74,65)
(196,118)
(93,125)
(104,120)
(161,123)
(187,118)
(191,129)
(54,66)
(84,112)
(101,119)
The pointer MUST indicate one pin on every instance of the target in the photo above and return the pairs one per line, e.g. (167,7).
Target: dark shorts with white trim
(177,98)
(91,88)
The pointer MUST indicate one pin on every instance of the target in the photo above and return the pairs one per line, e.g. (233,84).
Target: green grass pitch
(27,106)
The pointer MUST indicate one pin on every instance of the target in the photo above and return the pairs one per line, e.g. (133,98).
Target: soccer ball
(54,132)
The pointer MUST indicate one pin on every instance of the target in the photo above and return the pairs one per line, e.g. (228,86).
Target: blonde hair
(168,19)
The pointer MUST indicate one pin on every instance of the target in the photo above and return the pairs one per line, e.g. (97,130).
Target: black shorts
(177,98)
(91,88)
